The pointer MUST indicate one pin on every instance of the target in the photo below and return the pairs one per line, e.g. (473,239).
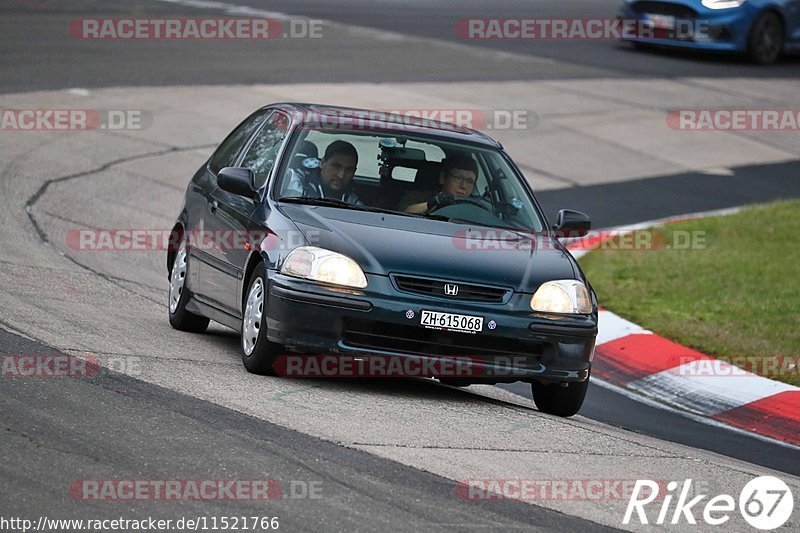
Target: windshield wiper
(434,217)
(332,202)
(317,201)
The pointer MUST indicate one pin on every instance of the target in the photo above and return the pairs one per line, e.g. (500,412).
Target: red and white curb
(632,357)
(636,359)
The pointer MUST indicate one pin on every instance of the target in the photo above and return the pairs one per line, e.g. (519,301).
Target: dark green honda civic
(342,237)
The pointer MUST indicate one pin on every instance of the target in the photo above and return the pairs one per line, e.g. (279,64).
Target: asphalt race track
(383,454)
(65,64)
(158,433)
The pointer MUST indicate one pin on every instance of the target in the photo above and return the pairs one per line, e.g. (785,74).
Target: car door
(229,214)
(200,266)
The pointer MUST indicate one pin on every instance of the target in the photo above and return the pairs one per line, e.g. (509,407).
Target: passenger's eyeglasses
(462,179)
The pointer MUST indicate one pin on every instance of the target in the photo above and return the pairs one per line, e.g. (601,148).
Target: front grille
(422,341)
(466,291)
(664,8)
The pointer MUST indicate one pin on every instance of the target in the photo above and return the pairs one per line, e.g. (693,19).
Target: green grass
(735,294)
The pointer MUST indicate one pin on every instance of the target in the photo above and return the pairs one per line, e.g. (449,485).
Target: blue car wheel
(765,42)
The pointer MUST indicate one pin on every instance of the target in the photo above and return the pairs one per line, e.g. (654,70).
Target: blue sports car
(761,28)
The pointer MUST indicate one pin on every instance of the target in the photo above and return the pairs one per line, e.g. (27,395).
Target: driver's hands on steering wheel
(442,199)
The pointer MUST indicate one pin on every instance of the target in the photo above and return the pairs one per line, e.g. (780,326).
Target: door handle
(214,206)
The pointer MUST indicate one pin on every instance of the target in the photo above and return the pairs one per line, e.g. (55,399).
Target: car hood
(386,244)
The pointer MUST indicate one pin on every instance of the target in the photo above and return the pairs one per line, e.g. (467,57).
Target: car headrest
(428,176)
(306,153)
(307,149)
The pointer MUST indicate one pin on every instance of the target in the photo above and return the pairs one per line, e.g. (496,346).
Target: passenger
(333,179)
(457,179)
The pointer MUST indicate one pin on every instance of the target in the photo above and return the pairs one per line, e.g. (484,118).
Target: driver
(333,179)
(457,179)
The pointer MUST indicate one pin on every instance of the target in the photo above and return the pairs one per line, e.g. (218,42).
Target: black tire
(554,399)
(264,352)
(766,39)
(180,318)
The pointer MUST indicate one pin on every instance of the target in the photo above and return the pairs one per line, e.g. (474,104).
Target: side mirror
(236,180)
(572,224)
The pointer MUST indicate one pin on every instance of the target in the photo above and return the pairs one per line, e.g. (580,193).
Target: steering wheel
(467,200)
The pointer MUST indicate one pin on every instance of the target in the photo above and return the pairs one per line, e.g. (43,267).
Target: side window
(260,157)
(226,153)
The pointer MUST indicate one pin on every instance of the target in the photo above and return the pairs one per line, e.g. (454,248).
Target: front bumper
(697,27)
(380,320)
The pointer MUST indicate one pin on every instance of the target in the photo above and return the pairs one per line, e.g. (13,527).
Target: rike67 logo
(765,503)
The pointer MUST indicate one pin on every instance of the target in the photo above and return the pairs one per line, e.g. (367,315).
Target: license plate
(661,22)
(451,322)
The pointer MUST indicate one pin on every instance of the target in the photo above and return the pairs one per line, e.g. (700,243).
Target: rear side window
(226,153)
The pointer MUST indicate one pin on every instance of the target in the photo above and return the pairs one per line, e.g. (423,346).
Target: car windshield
(410,174)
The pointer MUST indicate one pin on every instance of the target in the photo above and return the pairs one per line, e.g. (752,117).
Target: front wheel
(258,353)
(765,42)
(556,399)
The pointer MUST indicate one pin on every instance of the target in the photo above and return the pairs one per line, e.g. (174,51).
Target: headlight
(722,4)
(322,265)
(562,296)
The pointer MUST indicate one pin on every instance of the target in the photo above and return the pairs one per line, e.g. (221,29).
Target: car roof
(331,116)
